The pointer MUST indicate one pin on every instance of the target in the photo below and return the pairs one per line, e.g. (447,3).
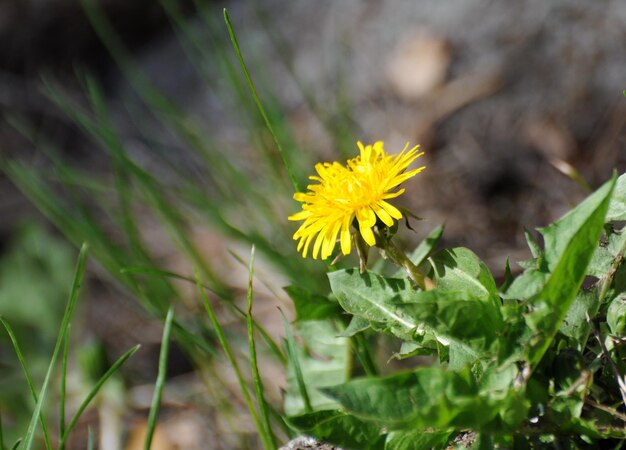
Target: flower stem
(400,259)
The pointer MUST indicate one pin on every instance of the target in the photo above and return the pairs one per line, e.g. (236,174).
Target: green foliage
(341,428)
(35,271)
(62,340)
(528,365)
(536,363)
(323,360)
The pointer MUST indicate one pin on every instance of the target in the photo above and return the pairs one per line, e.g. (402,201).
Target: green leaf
(311,306)
(426,344)
(457,315)
(357,325)
(324,361)
(375,298)
(535,248)
(424,249)
(462,273)
(617,207)
(508,277)
(426,397)
(460,355)
(575,324)
(459,269)
(616,316)
(569,245)
(417,440)
(527,285)
(606,252)
(338,428)
(574,226)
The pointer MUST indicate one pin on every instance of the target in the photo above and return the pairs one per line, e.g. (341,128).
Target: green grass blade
(94,391)
(165,273)
(268,436)
(66,346)
(259,105)
(362,351)
(90,442)
(78,279)
(2,447)
(160,381)
(231,359)
(292,354)
(17,444)
(29,380)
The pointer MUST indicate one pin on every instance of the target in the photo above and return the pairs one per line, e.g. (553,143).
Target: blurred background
(130,125)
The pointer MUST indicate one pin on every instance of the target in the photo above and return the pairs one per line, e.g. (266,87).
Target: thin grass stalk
(90,440)
(102,130)
(29,379)
(30,183)
(2,447)
(254,367)
(104,133)
(227,71)
(276,351)
(198,50)
(78,278)
(258,103)
(66,347)
(94,391)
(56,211)
(363,353)
(160,381)
(293,358)
(168,113)
(232,361)
(336,129)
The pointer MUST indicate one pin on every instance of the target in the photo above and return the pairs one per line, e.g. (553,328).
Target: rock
(307,443)
(418,65)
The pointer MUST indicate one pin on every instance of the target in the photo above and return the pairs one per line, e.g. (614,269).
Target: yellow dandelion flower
(360,190)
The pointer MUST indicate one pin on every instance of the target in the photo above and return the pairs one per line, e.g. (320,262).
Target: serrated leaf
(616,316)
(375,298)
(393,400)
(311,306)
(617,207)
(566,231)
(526,285)
(338,428)
(508,277)
(357,325)
(457,315)
(461,355)
(324,361)
(426,397)
(417,440)
(586,303)
(535,248)
(467,290)
(605,253)
(423,345)
(569,245)
(459,269)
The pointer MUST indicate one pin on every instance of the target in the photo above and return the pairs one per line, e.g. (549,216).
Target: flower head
(360,190)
